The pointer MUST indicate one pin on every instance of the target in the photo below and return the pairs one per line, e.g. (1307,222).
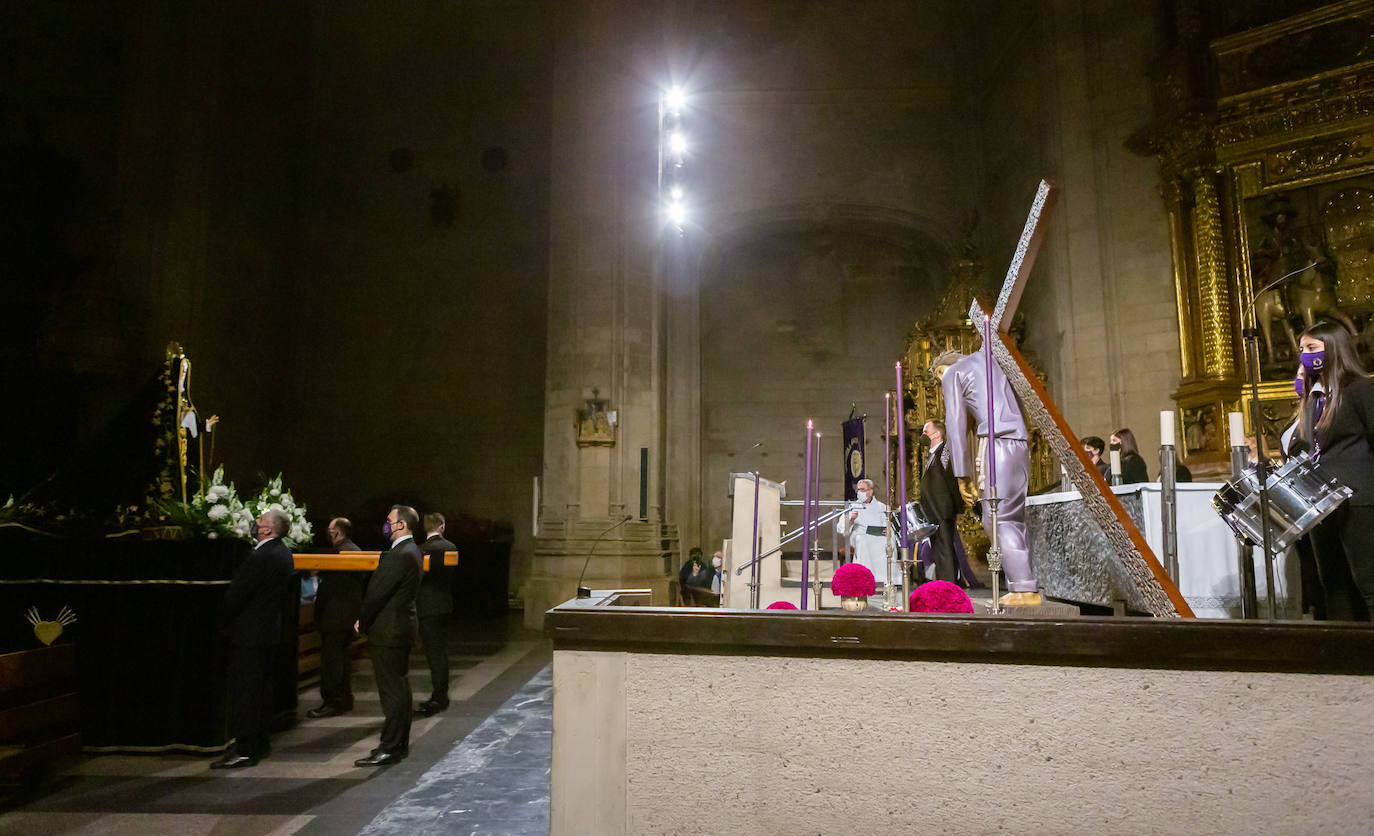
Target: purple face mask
(1313,361)
(1297,386)
(386,529)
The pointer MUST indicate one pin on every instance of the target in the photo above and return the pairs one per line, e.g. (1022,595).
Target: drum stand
(1249,600)
(1261,464)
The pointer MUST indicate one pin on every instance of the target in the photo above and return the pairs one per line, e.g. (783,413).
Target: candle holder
(904,567)
(994,559)
(1168,508)
(1249,593)
(890,591)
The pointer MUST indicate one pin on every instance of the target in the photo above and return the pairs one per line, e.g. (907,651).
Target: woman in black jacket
(1132,465)
(1336,426)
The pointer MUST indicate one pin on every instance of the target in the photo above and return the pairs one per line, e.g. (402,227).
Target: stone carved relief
(595,423)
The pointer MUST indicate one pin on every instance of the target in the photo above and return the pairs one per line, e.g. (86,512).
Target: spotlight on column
(677,142)
(675,98)
(677,213)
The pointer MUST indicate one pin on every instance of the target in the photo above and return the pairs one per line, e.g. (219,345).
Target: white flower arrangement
(217,512)
(218,508)
(276,498)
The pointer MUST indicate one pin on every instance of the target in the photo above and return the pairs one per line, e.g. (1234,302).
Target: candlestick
(806,516)
(1237,422)
(992,413)
(901,460)
(887,446)
(1116,462)
(1166,428)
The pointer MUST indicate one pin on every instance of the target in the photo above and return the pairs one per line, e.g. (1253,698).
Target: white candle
(1237,422)
(1116,462)
(1166,428)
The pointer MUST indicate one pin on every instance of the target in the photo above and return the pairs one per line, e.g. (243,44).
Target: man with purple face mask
(388,620)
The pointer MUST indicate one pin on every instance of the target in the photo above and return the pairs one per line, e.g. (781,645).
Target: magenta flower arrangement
(853,580)
(782,605)
(940,596)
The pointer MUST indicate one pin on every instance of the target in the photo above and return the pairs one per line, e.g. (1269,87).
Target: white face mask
(715,561)
(863,495)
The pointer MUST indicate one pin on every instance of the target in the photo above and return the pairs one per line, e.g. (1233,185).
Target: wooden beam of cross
(1128,545)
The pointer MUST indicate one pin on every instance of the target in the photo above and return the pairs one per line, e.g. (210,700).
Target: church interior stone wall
(342,215)
(404,245)
(1065,85)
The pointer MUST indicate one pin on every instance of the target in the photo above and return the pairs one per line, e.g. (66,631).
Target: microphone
(582,591)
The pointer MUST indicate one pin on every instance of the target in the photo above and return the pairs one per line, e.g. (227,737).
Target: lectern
(744,524)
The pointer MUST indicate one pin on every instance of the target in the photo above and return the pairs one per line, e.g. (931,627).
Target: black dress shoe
(378,759)
(234,762)
(429,708)
(325,710)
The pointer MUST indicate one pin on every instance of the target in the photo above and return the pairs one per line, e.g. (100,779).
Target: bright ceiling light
(676,193)
(677,213)
(677,142)
(675,98)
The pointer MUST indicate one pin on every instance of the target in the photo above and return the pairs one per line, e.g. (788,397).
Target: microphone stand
(582,591)
(1251,335)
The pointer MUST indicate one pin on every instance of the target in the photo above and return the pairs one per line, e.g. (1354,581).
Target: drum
(916,523)
(1301,495)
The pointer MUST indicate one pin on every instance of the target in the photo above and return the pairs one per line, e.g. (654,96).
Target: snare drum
(1301,495)
(917,525)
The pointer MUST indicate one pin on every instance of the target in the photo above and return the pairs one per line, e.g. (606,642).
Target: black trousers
(942,552)
(1344,548)
(250,699)
(434,640)
(390,666)
(336,669)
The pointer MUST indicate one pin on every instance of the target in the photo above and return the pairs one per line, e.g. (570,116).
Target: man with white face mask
(864,527)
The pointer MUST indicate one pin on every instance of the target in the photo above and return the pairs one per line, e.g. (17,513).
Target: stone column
(605,325)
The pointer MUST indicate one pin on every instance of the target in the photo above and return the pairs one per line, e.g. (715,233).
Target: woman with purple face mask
(1336,427)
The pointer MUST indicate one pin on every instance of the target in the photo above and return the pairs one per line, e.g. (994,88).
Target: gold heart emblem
(47,631)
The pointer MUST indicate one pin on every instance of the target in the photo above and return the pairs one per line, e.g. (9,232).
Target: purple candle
(806,516)
(887,446)
(992,416)
(902,541)
(816,487)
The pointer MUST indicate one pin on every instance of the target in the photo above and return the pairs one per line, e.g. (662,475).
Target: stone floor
(482,766)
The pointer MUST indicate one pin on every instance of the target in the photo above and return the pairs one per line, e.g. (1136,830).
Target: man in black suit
(434,605)
(388,619)
(253,609)
(338,606)
(941,503)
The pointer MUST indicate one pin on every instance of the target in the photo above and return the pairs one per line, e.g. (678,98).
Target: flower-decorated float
(120,562)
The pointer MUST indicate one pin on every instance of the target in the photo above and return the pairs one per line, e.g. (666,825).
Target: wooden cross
(1128,544)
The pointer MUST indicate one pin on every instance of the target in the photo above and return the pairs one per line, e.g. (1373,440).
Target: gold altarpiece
(949,329)
(1265,139)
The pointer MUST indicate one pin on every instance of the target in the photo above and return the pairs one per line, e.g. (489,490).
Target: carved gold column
(1214,298)
(1178,232)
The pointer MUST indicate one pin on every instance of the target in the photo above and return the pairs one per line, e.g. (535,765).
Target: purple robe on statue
(966,395)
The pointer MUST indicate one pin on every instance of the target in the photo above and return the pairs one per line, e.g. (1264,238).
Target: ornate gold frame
(1230,128)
